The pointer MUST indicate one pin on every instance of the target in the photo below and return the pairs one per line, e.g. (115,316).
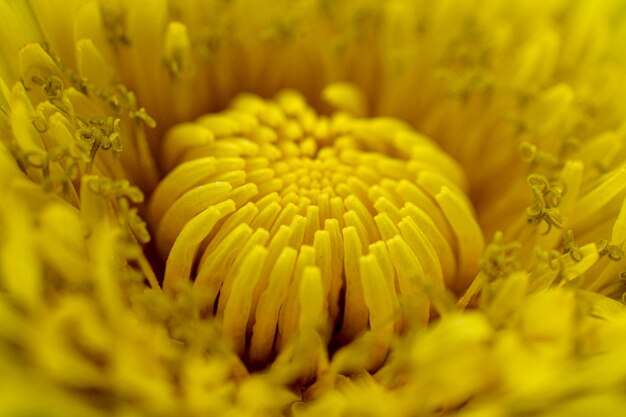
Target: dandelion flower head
(313,207)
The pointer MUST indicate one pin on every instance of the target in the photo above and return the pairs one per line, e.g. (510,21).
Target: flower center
(282,218)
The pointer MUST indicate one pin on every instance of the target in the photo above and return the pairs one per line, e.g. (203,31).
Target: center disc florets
(288,222)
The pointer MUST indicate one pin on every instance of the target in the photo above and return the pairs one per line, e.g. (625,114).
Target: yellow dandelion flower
(280,208)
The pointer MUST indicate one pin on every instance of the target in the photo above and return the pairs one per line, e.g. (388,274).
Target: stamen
(545,207)
(570,246)
(614,252)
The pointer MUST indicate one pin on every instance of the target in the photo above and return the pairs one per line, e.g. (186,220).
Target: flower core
(288,221)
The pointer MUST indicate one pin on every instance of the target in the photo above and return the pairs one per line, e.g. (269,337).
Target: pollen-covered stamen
(500,259)
(570,246)
(614,252)
(547,198)
(268,195)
